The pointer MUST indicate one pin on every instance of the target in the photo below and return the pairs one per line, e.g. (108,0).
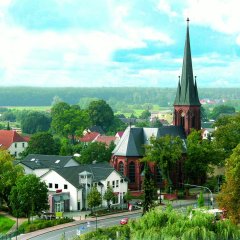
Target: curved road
(72,231)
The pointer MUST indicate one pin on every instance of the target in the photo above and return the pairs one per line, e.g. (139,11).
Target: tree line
(35,96)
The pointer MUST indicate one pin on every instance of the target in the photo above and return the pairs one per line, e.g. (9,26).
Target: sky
(117,43)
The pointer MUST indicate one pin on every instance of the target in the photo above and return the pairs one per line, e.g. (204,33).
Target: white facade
(17,147)
(55,182)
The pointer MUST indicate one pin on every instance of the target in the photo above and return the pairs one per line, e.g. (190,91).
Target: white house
(69,186)
(13,142)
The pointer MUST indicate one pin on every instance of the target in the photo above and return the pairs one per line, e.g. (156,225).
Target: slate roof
(133,140)
(187,92)
(7,137)
(100,171)
(38,161)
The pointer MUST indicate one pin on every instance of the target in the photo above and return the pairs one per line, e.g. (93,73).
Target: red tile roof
(89,137)
(105,139)
(7,137)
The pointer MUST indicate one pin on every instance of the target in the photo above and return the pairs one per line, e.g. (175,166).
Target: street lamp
(192,185)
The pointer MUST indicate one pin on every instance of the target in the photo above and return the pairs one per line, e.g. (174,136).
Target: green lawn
(5,224)
(32,108)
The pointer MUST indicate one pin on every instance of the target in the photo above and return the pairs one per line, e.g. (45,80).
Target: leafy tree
(69,120)
(156,123)
(41,143)
(8,116)
(94,198)
(101,114)
(230,192)
(127,197)
(201,155)
(165,151)
(85,102)
(56,100)
(9,174)
(227,134)
(145,114)
(66,148)
(204,114)
(142,124)
(221,110)
(109,196)
(116,126)
(201,200)
(96,151)
(149,189)
(35,122)
(29,196)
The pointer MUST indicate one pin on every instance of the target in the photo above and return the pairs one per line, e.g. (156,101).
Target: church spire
(187,94)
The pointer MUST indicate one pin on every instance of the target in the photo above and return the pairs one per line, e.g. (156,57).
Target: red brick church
(128,152)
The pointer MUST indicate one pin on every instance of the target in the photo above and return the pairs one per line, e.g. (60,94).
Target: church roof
(187,93)
(133,140)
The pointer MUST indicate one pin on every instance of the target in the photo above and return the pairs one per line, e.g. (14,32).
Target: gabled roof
(38,161)
(7,137)
(89,137)
(96,129)
(133,140)
(105,139)
(187,93)
(99,171)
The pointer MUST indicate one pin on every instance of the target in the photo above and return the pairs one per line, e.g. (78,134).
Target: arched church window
(121,168)
(183,119)
(132,172)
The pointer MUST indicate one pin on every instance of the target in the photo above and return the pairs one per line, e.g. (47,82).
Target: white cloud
(165,7)
(220,15)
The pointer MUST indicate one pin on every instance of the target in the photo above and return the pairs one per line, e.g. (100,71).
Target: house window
(65,186)
(50,185)
(108,183)
(78,205)
(56,185)
(132,172)
(95,184)
(117,183)
(15,154)
(113,184)
(15,145)
(23,145)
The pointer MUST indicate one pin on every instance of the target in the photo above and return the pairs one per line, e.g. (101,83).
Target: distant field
(33,108)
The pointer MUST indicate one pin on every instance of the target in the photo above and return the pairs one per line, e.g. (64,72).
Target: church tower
(187,105)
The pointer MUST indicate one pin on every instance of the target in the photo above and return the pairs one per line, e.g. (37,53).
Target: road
(71,232)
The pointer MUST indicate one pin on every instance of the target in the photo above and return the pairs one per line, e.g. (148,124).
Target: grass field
(5,224)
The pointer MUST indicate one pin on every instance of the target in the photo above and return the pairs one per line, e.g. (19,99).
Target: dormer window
(15,145)
(57,161)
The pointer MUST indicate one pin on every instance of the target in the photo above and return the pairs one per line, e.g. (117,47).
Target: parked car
(124,221)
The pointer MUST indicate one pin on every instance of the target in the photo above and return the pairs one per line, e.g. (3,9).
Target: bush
(40,224)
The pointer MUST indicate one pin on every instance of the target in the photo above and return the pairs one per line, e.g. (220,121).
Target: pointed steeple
(187,94)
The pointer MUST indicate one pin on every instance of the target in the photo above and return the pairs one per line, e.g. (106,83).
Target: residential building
(69,186)
(13,142)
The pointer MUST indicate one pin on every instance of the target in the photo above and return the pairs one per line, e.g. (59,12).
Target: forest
(164,97)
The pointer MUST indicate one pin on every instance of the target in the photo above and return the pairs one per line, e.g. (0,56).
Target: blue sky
(117,43)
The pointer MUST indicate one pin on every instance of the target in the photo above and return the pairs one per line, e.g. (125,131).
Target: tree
(221,110)
(29,196)
(127,197)
(227,134)
(9,174)
(41,143)
(149,189)
(101,114)
(230,192)
(109,196)
(96,151)
(201,155)
(69,120)
(8,116)
(35,122)
(145,114)
(165,151)
(201,200)
(94,198)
